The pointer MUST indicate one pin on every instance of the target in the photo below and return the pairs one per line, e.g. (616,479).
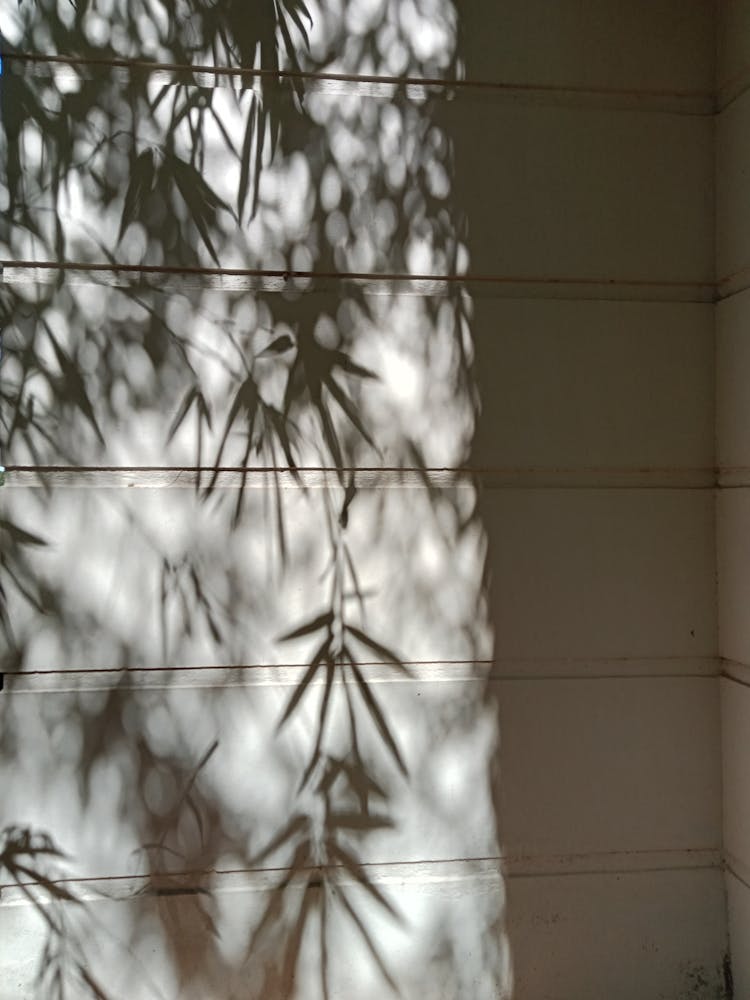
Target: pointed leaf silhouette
(271,916)
(295,9)
(140,185)
(294,943)
(356,870)
(295,825)
(278,422)
(54,890)
(378,717)
(305,682)
(342,359)
(96,990)
(182,411)
(330,437)
(315,755)
(362,783)
(201,200)
(20,535)
(349,494)
(75,388)
(246,399)
(278,346)
(379,649)
(251,129)
(205,410)
(325,994)
(323,620)
(359,821)
(348,407)
(371,947)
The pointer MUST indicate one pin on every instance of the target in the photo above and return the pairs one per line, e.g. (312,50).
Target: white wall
(561,835)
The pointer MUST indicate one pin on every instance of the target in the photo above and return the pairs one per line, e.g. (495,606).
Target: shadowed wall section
(733,444)
(596,382)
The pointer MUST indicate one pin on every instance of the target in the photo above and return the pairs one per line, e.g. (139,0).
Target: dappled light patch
(243,584)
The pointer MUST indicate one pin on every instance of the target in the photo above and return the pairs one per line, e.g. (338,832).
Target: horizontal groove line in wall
(287,671)
(732,90)
(420,871)
(240,280)
(360,276)
(729,286)
(378,872)
(732,285)
(735,671)
(636,862)
(737,868)
(365,477)
(733,470)
(485,671)
(727,482)
(702,99)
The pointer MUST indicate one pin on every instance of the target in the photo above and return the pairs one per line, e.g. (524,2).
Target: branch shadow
(212,295)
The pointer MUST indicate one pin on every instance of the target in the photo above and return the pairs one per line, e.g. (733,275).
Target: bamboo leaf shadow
(23,855)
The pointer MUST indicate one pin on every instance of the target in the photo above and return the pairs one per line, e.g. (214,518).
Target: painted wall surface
(733,446)
(533,530)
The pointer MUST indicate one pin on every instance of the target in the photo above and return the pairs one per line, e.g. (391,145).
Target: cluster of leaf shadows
(56,411)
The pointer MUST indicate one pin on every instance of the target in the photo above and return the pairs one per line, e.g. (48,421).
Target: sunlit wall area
(247,632)
(733,443)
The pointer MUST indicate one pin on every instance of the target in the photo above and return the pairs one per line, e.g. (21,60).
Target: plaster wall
(733,450)
(563,838)
(595,606)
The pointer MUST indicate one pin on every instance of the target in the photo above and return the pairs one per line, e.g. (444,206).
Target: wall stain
(708,982)
(728,977)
